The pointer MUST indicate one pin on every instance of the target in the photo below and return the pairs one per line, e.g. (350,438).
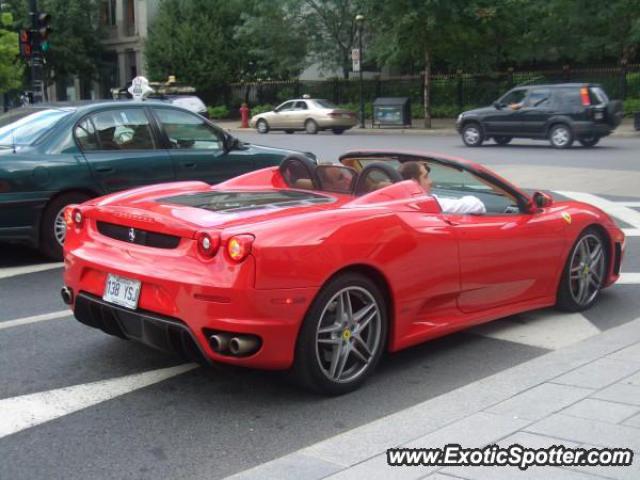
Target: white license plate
(122,291)
(598,116)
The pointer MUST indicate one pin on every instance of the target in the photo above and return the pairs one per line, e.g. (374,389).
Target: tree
(332,30)
(273,38)
(192,39)
(412,33)
(10,68)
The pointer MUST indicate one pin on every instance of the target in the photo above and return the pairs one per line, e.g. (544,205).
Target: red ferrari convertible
(318,269)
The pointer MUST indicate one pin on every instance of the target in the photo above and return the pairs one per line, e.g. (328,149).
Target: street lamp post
(360,22)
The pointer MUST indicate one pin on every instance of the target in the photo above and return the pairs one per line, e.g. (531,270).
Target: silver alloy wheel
(471,135)
(60,227)
(560,136)
(262,126)
(586,272)
(348,334)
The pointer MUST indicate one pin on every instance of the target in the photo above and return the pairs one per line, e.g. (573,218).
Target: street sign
(355,54)
(356,66)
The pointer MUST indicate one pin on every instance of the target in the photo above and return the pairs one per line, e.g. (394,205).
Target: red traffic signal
(26,48)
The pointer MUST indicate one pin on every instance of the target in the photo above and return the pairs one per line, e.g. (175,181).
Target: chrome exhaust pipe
(243,345)
(67,295)
(219,342)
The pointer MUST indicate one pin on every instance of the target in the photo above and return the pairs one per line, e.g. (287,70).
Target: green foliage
(355,107)
(631,106)
(218,112)
(10,69)
(191,40)
(257,109)
(273,38)
(74,46)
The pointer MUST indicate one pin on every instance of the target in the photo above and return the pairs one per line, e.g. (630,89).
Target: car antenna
(13,140)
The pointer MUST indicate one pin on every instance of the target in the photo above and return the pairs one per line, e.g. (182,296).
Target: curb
(368,443)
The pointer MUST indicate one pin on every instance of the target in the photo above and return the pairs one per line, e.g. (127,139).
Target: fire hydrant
(244,115)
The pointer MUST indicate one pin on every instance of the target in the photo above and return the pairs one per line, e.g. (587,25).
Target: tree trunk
(427,88)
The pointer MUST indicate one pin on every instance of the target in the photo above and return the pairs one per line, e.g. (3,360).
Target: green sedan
(55,155)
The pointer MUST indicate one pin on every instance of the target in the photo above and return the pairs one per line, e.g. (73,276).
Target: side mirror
(542,200)
(498,105)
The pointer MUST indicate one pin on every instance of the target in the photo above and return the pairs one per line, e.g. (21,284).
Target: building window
(131,62)
(130,17)
(108,13)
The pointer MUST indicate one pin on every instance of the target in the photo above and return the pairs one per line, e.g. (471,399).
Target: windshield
(324,103)
(25,127)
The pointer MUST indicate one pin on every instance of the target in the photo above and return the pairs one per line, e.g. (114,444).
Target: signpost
(355,58)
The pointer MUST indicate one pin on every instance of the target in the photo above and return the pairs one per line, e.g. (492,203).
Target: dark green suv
(560,113)
(55,155)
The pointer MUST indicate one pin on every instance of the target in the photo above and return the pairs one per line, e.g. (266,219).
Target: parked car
(308,114)
(54,155)
(321,268)
(560,113)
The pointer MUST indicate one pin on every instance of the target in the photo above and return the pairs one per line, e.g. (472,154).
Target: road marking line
(540,328)
(14,271)
(631,232)
(630,204)
(629,279)
(615,209)
(26,411)
(35,318)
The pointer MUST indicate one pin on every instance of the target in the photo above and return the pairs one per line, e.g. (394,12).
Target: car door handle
(104,169)
(189,165)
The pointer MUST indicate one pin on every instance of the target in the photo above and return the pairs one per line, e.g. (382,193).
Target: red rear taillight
(584,96)
(208,244)
(73,216)
(239,247)
(334,114)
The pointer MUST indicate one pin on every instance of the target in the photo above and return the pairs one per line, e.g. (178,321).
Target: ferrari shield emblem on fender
(567,217)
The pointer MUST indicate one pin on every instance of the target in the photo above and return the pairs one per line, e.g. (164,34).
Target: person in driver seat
(419,171)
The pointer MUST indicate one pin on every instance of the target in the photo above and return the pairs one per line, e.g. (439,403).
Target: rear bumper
(588,129)
(178,300)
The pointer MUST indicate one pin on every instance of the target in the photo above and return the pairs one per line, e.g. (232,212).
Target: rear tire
(561,136)
(584,272)
(342,337)
(472,135)
(53,228)
(311,127)
(502,140)
(589,142)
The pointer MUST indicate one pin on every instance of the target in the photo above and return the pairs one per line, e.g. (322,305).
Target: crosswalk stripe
(26,411)
(615,209)
(540,328)
(629,279)
(35,318)
(14,271)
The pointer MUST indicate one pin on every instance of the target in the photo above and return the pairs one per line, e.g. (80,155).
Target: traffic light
(25,44)
(44,29)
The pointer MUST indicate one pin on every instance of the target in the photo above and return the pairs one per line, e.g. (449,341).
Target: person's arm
(465,205)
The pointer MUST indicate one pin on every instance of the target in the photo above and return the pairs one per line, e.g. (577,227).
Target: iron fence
(450,93)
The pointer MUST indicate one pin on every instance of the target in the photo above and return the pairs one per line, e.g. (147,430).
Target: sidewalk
(439,126)
(586,395)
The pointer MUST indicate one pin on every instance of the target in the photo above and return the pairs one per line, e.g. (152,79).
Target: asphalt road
(209,423)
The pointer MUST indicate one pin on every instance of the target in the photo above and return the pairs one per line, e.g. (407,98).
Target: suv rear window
(568,97)
(598,96)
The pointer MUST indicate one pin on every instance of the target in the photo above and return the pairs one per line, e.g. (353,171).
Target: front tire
(53,228)
(589,142)
(584,272)
(343,336)
(262,126)
(472,135)
(561,136)
(311,127)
